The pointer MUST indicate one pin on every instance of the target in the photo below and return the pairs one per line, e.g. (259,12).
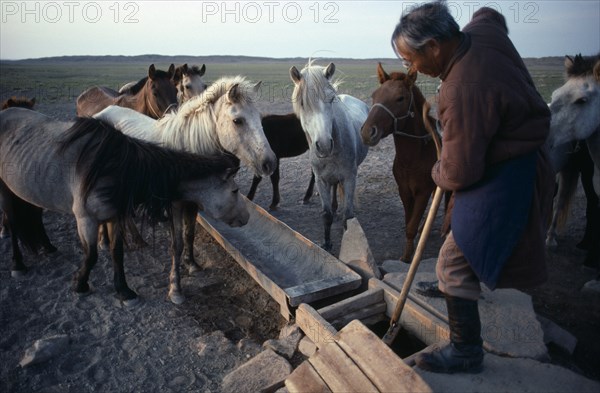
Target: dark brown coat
(490,112)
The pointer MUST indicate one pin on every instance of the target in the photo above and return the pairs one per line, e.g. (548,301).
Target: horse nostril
(373,131)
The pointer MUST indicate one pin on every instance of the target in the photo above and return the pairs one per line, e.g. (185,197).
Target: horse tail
(567,184)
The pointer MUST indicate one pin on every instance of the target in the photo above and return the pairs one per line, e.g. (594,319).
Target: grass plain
(61,80)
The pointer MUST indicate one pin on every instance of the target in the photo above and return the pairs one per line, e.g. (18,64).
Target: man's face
(425,60)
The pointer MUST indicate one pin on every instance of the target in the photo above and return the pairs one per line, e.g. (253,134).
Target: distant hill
(150,58)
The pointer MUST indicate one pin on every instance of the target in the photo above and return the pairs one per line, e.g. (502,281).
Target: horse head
(393,106)
(574,106)
(161,92)
(238,123)
(219,196)
(188,81)
(313,99)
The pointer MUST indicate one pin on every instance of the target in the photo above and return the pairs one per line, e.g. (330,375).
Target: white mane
(193,126)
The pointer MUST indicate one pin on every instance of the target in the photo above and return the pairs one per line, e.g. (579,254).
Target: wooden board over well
(291,268)
(356,360)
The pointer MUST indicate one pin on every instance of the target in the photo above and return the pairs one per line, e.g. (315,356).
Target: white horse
(332,126)
(575,118)
(100,175)
(223,118)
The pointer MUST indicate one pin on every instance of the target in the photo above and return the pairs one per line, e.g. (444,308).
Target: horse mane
(308,92)
(192,126)
(581,65)
(138,173)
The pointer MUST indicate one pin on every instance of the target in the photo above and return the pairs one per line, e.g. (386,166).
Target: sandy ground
(157,346)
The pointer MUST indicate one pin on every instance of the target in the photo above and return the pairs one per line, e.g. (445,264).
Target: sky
(351,29)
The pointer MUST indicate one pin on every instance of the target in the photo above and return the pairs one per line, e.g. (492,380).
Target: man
(494,125)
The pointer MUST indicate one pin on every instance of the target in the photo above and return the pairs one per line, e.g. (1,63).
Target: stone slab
(509,323)
(266,371)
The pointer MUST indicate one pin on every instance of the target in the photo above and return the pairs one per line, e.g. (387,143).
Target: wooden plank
(314,325)
(377,361)
(366,312)
(352,304)
(304,379)
(320,289)
(339,371)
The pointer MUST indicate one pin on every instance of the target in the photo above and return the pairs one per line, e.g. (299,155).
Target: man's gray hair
(423,23)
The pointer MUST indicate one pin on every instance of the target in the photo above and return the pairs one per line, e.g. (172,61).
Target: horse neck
(415,124)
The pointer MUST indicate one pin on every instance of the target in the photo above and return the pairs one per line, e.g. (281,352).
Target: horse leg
(103,240)
(116,251)
(327,215)
(190,211)
(136,238)
(41,234)
(255,180)
(418,206)
(310,189)
(586,167)
(4,230)
(88,235)
(175,293)
(408,203)
(275,184)
(18,268)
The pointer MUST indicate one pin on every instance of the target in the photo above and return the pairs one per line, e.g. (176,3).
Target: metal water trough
(291,268)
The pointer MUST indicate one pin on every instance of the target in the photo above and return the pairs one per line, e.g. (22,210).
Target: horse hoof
(176,298)
(327,247)
(130,303)
(273,208)
(18,273)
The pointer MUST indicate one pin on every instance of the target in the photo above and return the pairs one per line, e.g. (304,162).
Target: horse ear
(256,87)
(569,62)
(202,70)
(231,172)
(381,74)
(151,71)
(597,71)
(295,75)
(329,70)
(171,70)
(233,95)
(411,76)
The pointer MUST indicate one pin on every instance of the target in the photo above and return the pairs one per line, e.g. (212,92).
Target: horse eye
(400,99)
(236,191)
(581,101)
(238,121)
(188,86)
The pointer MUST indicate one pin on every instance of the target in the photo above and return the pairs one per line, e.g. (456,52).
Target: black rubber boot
(464,353)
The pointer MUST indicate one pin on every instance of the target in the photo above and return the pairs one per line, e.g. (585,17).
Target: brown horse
(151,95)
(398,110)
(19,102)
(286,138)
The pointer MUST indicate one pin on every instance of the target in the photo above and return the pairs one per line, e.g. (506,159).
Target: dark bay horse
(151,95)
(286,138)
(100,175)
(398,110)
(18,102)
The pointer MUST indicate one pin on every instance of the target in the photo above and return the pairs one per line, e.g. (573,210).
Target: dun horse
(398,110)
(223,118)
(332,126)
(151,95)
(188,81)
(101,175)
(286,138)
(576,122)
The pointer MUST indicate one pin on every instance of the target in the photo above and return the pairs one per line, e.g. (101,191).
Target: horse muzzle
(324,149)
(370,135)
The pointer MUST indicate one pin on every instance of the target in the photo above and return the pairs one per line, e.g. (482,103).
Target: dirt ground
(157,346)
